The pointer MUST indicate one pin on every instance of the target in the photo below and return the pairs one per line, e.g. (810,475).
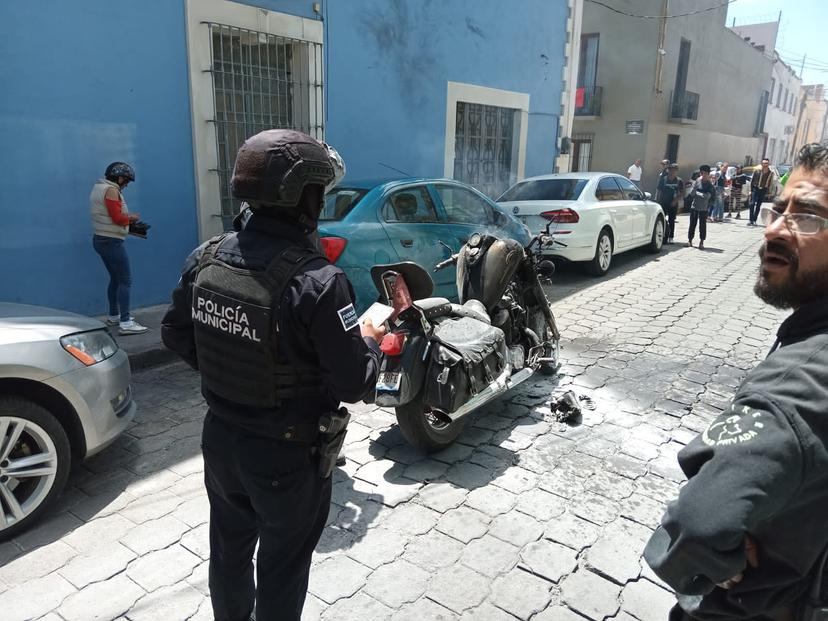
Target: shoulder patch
(348,317)
(740,425)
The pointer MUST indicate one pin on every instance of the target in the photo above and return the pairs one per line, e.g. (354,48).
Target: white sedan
(597,215)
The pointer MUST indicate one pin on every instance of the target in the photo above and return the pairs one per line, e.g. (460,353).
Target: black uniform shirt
(311,331)
(668,190)
(760,469)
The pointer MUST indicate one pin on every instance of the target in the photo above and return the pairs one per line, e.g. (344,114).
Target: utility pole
(802,67)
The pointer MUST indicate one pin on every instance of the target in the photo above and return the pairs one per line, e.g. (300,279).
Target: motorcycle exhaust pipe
(503,382)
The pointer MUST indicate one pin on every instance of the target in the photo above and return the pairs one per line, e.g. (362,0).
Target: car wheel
(600,263)
(35,460)
(657,240)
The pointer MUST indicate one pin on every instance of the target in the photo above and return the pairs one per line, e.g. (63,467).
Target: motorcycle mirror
(546,268)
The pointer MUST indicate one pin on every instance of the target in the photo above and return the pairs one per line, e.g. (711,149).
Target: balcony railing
(588,101)
(684,106)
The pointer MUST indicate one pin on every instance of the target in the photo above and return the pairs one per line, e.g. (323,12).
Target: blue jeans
(116,261)
(757,197)
(717,213)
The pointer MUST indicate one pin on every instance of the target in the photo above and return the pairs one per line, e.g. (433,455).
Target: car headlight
(90,347)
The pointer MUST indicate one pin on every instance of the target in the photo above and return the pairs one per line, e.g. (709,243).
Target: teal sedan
(421,220)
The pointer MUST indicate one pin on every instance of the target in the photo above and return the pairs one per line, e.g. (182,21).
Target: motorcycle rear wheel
(423,430)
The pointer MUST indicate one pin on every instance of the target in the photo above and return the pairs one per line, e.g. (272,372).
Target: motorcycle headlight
(90,347)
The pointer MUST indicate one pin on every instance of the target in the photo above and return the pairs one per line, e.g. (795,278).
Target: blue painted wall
(389,62)
(85,84)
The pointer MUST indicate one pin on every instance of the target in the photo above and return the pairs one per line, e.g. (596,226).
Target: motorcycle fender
(401,377)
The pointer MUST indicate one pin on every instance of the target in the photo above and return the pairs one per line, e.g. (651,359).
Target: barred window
(260,81)
(485,145)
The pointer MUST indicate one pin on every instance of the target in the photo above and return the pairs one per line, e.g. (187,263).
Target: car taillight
(333,247)
(561,216)
(393,344)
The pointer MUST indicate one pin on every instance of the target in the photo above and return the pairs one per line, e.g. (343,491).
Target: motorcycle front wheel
(541,328)
(424,430)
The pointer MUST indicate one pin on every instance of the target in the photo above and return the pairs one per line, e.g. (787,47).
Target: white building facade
(782,112)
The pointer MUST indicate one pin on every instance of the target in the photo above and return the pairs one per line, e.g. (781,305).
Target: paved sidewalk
(523,518)
(145,350)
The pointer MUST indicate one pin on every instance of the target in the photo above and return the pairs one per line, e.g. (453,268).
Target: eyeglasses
(799,223)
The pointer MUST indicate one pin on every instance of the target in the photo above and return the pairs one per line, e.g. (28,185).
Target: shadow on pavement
(570,278)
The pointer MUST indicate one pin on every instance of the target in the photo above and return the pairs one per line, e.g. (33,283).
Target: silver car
(64,394)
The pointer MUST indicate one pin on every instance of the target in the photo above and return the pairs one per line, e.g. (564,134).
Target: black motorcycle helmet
(283,173)
(119,169)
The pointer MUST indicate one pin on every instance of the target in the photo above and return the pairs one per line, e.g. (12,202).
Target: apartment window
(588,93)
(683,67)
(581,152)
(260,81)
(778,96)
(588,66)
(759,127)
(771,155)
(773,88)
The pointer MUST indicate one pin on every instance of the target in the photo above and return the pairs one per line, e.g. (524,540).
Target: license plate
(389,381)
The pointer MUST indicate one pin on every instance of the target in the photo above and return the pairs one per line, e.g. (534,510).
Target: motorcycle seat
(471,308)
(433,307)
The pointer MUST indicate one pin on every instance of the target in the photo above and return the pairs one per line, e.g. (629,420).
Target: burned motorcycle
(442,360)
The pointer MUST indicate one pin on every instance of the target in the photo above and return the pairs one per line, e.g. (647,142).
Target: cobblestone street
(523,518)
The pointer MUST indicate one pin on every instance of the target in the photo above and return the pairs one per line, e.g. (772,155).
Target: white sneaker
(114,320)
(131,327)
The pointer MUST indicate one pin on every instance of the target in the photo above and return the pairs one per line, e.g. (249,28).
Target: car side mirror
(647,196)
(499,218)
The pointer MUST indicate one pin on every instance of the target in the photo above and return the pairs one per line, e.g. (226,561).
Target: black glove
(139,228)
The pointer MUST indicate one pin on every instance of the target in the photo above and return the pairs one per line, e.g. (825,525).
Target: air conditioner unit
(789,129)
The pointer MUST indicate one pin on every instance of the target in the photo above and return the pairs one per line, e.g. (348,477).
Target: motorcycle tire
(542,330)
(424,432)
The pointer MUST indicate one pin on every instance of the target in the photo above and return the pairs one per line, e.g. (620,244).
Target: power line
(712,8)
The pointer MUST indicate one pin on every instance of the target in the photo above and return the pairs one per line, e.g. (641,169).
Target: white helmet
(338,165)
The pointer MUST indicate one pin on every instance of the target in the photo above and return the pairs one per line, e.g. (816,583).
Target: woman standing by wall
(111,220)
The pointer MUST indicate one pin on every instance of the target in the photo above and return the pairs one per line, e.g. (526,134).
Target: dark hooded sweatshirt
(760,469)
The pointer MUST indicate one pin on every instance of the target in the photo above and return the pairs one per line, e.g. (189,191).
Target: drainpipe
(660,53)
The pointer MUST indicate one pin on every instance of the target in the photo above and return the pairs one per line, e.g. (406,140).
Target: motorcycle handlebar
(548,240)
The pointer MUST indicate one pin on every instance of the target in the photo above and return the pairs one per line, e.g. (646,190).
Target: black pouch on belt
(332,428)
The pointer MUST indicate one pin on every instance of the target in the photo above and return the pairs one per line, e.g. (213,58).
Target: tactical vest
(235,314)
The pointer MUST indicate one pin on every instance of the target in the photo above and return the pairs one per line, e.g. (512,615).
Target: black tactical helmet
(119,169)
(274,166)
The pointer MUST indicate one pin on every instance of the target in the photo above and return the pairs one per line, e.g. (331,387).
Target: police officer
(271,326)
(745,537)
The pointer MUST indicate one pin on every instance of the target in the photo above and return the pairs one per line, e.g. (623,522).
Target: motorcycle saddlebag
(401,377)
(466,356)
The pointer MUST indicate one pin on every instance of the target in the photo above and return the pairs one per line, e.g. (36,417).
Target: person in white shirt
(634,172)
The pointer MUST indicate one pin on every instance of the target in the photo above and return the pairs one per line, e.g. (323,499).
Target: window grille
(260,81)
(485,142)
(582,152)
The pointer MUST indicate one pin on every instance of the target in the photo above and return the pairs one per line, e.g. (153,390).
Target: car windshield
(340,201)
(545,190)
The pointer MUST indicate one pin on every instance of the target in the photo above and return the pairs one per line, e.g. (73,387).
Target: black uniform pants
(670,211)
(701,218)
(268,491)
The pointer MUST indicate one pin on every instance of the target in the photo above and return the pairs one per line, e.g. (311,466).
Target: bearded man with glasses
(747,536)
